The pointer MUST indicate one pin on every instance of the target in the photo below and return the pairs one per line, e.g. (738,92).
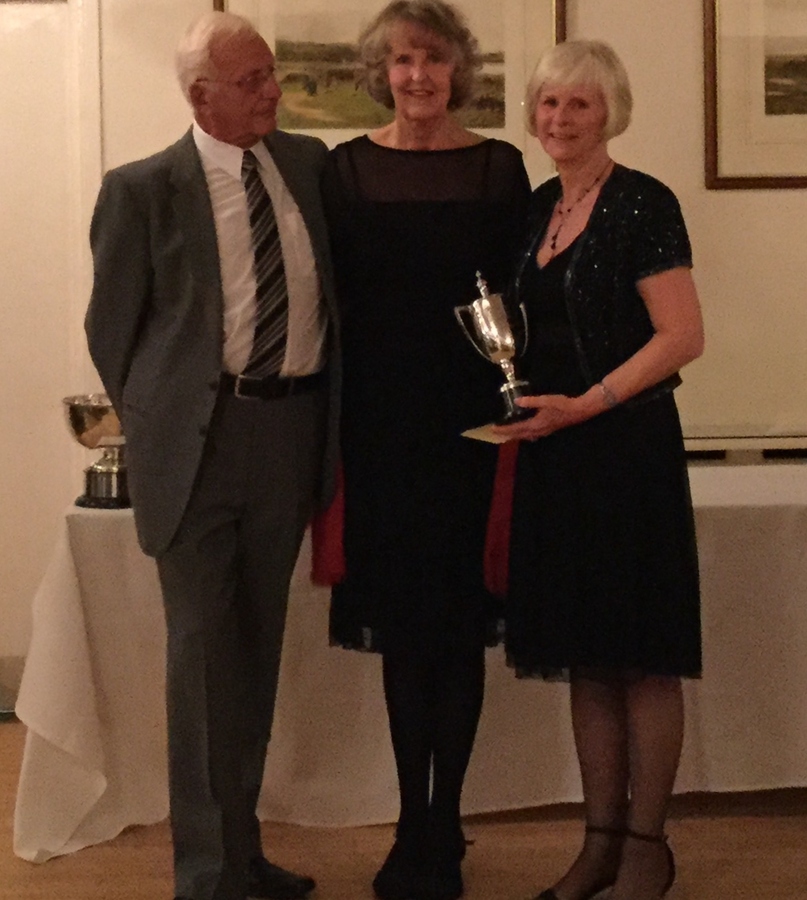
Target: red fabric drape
(497,538)
(327,539)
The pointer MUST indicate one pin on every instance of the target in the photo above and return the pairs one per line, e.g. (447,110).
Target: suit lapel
(194,217)
(288,165)
(297,175)
(301,185)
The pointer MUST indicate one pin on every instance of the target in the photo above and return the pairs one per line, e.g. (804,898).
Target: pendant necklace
(563,213)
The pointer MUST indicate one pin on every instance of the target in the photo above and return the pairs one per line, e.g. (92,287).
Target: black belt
(271,386)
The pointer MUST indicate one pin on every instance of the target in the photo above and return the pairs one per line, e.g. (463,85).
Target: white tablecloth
(92,690)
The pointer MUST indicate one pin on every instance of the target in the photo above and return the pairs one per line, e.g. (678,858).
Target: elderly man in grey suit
(213,329)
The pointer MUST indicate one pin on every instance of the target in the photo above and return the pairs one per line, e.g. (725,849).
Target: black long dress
(603,564)
(409,230)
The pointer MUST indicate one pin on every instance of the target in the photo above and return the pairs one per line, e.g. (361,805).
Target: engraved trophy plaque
(95,425)
(487,327)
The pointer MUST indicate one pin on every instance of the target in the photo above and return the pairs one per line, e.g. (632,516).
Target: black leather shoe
(445,879)
(267,881)
(549,894)
(453,846)
(447,851)
(404,873)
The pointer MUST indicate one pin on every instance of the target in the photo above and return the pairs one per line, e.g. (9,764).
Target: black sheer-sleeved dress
(603,562)
(409,231)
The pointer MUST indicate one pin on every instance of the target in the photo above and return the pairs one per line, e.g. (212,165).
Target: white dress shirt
(307,324)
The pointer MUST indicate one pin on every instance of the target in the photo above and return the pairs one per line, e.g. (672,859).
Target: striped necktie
(271,291)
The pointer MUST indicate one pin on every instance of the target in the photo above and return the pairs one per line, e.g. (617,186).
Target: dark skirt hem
(370,640)
(603,673)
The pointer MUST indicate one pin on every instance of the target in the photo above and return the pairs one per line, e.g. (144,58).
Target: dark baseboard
(6,706)
(10,675)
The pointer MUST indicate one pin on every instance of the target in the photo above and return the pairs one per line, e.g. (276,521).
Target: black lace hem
(367,639)
(602,673)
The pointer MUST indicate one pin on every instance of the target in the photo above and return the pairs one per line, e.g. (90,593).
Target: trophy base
(104,489)
(510,392)
(102,502)
(515,415)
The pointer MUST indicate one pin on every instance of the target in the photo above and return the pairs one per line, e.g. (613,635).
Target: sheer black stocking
(434,700)
(458,693)
(407,690)
(628,733)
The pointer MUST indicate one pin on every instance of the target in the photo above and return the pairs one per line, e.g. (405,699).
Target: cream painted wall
(143,107)
(60,129)
(37,236)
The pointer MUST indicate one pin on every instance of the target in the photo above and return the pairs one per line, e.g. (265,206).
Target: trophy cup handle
(458,311)
(523,311)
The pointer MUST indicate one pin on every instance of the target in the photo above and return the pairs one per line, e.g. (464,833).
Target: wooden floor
(728,847)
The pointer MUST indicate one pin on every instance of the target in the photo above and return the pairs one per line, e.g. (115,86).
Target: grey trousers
(225,581)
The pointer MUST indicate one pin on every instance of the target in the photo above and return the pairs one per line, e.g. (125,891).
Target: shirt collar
(227,157)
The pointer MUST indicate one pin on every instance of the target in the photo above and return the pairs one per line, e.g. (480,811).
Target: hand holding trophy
(489,330)
(95,424)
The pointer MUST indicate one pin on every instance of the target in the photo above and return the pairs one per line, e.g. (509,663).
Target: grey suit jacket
(154,323)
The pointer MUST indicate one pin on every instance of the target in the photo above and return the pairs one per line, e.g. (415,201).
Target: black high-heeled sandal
(657,839)
(549,893)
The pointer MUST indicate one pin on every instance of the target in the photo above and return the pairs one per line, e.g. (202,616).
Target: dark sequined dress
(603,566)
(409,230)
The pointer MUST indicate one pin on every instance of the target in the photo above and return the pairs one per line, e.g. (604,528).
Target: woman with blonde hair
(603,566)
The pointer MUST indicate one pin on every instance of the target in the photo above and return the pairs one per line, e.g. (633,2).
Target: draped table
(92,690)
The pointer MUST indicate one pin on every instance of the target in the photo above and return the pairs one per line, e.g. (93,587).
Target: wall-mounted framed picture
(755,94)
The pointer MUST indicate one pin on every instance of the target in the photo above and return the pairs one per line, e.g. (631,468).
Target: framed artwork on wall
(755,94)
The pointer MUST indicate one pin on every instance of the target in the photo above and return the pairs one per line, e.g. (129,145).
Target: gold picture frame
(559,15)
(560,21)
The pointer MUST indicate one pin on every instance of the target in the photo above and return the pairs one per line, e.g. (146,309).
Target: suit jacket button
(203,430)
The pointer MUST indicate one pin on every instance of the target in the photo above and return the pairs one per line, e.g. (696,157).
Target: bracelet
(608,395)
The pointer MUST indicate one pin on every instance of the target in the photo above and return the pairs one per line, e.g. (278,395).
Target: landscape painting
(786,57)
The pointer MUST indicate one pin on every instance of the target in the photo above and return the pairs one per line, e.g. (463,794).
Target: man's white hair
(193,54)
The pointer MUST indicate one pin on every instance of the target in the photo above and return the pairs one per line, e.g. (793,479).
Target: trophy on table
(95,425)
(488,328)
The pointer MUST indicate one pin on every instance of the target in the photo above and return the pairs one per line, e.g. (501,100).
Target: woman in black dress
(415,208)
(603,565)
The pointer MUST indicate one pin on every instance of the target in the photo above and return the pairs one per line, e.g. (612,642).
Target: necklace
(563,213)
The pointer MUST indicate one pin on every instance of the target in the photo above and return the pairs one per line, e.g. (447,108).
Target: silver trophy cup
(95,425)
(488,328)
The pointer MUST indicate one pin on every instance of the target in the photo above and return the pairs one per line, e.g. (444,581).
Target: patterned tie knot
(249,164)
